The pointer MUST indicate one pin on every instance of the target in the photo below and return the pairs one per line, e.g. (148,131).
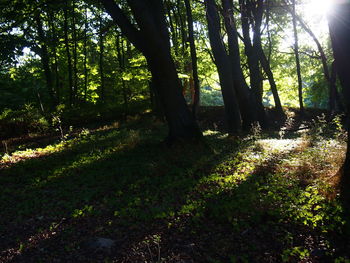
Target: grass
(258,198)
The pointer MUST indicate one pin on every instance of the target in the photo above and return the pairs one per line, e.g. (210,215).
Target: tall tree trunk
(173,31)
(101,58)
(54,51)
(45,59)
(297,59)
(69,58)
(75,55)
(252,57)
(339,27)
(224,67)
(244,99)
(121,60)
(85,54)
(257,11)
(196,96)
(150,18)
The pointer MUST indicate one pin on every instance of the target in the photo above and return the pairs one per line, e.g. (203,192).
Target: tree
(223,64)
(194,66)
(251,17)
(297,58)
(151,26)
(339,27)
(249,113)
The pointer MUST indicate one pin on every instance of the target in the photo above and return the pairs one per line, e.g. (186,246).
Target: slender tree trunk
(69,58)
(196,96)
(45,59)
(54,51)
(75,55)
(101,62)
(121,60)
(297,60)
(172,28)
(257,12)
(266,66)
(85,55)
(224,67)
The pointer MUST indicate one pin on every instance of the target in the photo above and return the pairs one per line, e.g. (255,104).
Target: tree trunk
(196,95)
(101,58)
(54,51)
(297,59)
(85,54)
(249,114)
(257,12)
(150,18)
(224,67)
(75,55)
(253,62)
(121,60)
(69,58)
(339,27)
(45,59)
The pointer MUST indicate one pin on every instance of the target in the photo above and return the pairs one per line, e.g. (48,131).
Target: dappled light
(170,131)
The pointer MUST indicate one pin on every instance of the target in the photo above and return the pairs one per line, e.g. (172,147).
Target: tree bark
(150,18)
(224,67)
(101,62)
(339,27)
(297,59)
(249,114)
(45,59)
(85,54)
(121,60)
(196,95)
(75,55)
(69,58)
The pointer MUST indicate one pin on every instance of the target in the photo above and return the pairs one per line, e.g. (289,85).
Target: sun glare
(317,7)
(314,13)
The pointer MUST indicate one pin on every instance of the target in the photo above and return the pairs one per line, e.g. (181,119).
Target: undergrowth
(248,199)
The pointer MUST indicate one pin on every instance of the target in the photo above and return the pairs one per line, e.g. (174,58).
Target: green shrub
(21,122)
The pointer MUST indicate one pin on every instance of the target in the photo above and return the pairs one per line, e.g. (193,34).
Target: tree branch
(128,29)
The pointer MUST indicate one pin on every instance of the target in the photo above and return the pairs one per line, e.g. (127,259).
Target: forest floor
(117,194)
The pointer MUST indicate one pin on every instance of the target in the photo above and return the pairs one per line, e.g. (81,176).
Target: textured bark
(224,67)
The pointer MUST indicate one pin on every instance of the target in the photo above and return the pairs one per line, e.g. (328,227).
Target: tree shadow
(118,184)
(126,186)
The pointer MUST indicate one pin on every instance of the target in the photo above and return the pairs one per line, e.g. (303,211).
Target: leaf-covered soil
(261,197)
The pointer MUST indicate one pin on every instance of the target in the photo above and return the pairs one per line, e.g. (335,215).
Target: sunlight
(317,8)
